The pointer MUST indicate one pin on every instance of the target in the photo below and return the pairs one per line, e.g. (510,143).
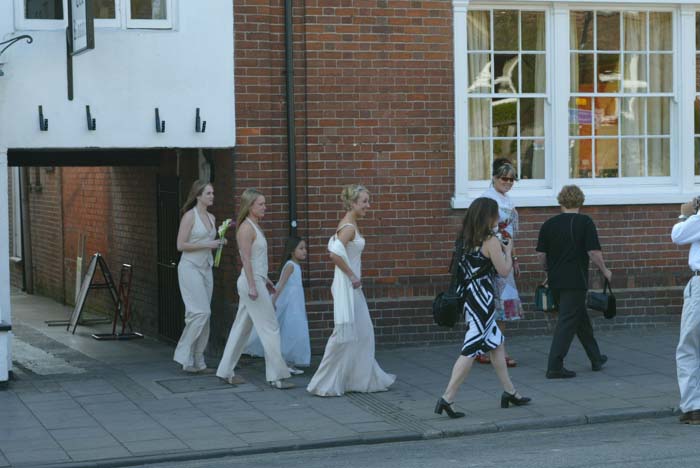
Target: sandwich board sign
(81,26)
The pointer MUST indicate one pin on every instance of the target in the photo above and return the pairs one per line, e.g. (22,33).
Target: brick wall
(374,105)
(15,267)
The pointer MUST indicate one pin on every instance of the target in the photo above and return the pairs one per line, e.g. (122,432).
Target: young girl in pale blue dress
(290,310)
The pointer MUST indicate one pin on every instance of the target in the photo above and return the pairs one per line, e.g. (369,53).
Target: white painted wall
(128,74)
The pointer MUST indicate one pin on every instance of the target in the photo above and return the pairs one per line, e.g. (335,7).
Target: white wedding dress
(350,366)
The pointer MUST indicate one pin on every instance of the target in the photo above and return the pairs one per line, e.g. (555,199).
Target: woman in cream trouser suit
(195,239)
(255,307)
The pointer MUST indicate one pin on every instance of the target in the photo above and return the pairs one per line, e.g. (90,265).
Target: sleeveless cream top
(200,233)
(258,254)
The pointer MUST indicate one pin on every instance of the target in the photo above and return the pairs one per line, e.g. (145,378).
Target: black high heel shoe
(508,398)
(443,405)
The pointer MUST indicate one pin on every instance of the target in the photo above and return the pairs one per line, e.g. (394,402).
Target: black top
(566,239)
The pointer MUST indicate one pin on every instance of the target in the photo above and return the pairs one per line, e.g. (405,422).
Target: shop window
(621,85)
(506,90)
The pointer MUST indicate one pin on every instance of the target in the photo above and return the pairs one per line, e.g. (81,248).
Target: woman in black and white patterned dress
(483,256)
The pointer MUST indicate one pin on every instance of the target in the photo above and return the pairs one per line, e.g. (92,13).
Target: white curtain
(479,76)
(634,26)
(660,80)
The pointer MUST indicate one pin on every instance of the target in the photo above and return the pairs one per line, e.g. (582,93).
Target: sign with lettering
(81,31)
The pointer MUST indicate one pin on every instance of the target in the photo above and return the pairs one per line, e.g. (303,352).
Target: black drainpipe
(291,132)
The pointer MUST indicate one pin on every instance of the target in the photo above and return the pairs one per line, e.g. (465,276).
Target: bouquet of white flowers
(222,232)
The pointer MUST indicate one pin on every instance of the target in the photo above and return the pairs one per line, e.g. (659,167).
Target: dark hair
(477,225)
(289,247)
(502,167)
(197,189)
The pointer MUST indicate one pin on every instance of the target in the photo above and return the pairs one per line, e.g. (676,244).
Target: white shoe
(282,384)
(295,371)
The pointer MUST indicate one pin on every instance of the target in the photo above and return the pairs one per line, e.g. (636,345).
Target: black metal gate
(171,310)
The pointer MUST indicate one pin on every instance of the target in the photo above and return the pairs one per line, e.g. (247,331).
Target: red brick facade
(374,105)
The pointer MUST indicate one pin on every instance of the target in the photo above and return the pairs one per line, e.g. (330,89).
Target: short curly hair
(571,196)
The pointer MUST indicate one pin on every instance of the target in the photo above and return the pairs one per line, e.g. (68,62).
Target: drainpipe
(291,131)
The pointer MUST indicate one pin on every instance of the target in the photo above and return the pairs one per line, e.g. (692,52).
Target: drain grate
(392,414)
(193,384)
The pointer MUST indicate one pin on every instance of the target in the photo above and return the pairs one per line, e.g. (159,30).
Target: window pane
(660,73)
(506,73)
(504,117)
(608,30)
(660,31)
(697,156)
(608,73)
(104,9)
(479,73)
(582,30)
(697,115)
(149,9)
(505,149)
(534,73)
(582,72)
(478,30)
(532,159)
(634,26)
(659,161)
(532,117)
(43,9)
(632,116)
(633,157)
(635,73)
(580,158)
(505,30)
(479,117)
(606,157)
(697,62)
(606,116)
(580,116)
(659,116)
(533,30)
(479,159)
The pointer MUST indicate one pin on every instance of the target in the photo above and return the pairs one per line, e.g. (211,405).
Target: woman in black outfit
(483,255)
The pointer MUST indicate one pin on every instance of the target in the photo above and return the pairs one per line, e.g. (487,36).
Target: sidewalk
(81,402)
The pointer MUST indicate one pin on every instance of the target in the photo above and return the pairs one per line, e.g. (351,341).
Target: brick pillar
(5,312)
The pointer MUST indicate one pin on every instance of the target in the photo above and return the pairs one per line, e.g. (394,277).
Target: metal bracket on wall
(11,42)
(43,123)
(160,124)
(200,126)
(91,123)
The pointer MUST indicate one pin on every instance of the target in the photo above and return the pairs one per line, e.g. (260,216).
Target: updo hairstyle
(350,194)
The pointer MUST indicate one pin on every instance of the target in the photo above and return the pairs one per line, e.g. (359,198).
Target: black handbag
(544,299)
(448,305)
(603,302)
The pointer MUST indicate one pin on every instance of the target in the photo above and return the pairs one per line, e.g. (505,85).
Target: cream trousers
(260,314)
(688,351)
(196,287)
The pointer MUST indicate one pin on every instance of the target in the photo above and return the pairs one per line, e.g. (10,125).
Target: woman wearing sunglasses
(508,306)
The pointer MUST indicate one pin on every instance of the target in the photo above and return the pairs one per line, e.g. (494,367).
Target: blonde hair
(197,189)
(571,196)
(350,194)
(247,199)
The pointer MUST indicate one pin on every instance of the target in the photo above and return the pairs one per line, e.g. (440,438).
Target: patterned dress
(483,335)
(508,304)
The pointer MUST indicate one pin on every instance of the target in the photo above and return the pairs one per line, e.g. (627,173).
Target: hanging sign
(81,29)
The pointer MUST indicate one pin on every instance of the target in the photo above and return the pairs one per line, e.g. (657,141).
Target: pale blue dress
(294,327)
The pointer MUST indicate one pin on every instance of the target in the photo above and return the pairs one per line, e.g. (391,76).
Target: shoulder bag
(604,302)
(448,305)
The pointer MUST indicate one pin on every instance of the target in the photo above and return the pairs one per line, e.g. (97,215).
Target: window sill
(15,259)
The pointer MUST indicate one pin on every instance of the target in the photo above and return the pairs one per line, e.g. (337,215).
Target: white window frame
(150,23)
(679,187)
(16,207)
(115,22)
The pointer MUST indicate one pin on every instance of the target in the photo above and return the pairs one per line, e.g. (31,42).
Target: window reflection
(149,9)
(43,9)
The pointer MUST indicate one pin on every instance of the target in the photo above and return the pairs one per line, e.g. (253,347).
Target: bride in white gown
(348,363)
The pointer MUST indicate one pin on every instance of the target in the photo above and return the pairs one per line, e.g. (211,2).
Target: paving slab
(131,403)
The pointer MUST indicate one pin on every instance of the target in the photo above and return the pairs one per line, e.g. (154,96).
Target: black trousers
(573,320)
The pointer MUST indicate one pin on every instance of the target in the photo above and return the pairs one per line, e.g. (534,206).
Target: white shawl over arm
(343,295)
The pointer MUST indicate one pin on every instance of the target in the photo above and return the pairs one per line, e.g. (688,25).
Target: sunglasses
(507,179)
